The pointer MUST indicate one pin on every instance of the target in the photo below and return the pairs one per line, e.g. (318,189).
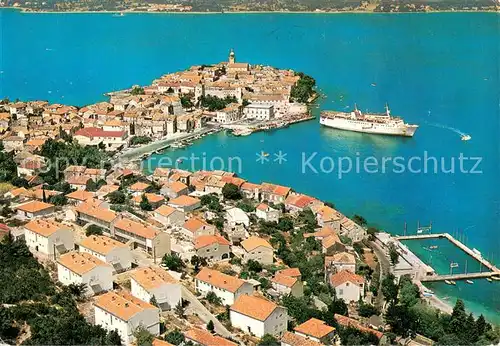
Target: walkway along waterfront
(494,271)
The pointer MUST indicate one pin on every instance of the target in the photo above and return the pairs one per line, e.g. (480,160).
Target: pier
(493,270)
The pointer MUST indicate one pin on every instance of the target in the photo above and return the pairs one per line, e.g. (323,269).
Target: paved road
(385,267)
(196,306)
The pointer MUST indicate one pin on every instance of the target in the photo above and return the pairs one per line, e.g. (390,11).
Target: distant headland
(247,6)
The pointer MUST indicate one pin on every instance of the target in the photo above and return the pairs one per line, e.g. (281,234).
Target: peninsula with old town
(98,252)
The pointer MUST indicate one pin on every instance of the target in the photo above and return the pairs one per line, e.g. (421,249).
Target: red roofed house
(34,209)
(266,213)
(295,203)
(274,193)
(284,285)
(48,236)
(174,189)
(212,247)
(348,286)
(258,316)
(228,288)
(205,338)
(316,330)
(195,227)
(168,215)
(351,322)
(112,140)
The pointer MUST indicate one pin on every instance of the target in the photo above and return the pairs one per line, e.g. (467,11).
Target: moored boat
(470,282)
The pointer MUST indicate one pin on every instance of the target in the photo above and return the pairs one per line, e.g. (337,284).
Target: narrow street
(385,267)
(197,307)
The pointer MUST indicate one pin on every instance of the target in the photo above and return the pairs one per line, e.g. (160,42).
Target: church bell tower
(231,57)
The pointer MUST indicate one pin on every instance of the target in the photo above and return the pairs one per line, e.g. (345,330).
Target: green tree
(153,302)
(59,200)
(393,254)
(212,298)
(389,288)
(210,326)
(269,340)
(179,310)
(173,262)
(93,230)
(409,294)
(113,338)
(175,337)
(144,204)
(359,220)
(254,266)
(137,91)
(367,310)
(117,197)
(231,191)
(143,336)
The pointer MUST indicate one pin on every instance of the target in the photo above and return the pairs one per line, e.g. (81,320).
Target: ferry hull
(371,128)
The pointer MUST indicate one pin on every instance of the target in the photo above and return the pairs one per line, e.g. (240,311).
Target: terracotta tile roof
(330,241)
(80,262)
(205,240)
(350,322)
(220,280)
(158,342)
(263,207)
(233,180)
(78,180)
(80,195)
(101,244)
(38,193)
(292,272)
(162,172)
(254,307)
(34,206)
(315,328)
(175,186)
(194,224)
(346,276)
(284,280)
(97,132)
(106,215)
(151,197)
(18,192)
(165,210)
(343,257)
(122,304)
(184,201)
(44,227)
(136,228)
(297,340)
(300,201)
(324,232)
(139,186)
(250,186)
(205,338)
(151,278)
(107,189)
(276,189)
(252,243)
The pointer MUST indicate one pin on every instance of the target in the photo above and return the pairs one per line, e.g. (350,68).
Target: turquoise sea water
(437,70)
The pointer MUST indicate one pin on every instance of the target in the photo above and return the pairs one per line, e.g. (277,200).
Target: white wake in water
(457,131)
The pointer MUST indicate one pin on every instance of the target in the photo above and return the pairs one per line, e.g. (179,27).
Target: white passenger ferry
(375,123)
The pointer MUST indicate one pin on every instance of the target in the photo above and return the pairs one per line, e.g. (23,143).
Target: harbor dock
(493,270)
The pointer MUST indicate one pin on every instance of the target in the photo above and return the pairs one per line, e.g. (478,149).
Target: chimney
(126,305)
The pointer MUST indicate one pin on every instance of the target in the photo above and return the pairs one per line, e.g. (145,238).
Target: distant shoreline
(125,12)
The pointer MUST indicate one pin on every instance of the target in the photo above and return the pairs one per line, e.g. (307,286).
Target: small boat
(453,282)
(265,154)
(466,137)
(496,278)
(470,282)
(489,279)
(433,247)
(448,282)
(374,84)
(179,161)
(454,265)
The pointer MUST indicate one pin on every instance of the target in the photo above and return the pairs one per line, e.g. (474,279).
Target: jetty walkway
(493,270)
